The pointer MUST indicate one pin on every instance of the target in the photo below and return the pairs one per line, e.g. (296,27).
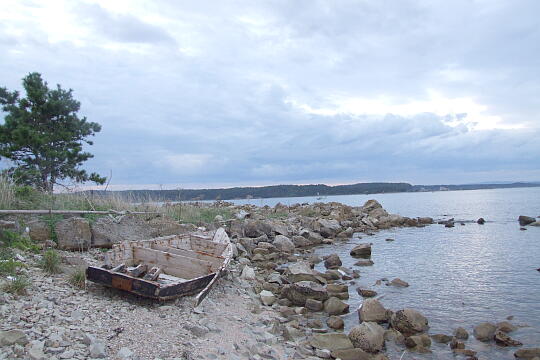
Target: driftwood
(153,274)
(119,268)
(67,212)
(137,271)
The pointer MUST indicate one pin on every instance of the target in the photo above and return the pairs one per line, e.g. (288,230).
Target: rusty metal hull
(145,288)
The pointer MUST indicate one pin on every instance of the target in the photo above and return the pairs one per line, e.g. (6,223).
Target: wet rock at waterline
(397,282)
(364,262)
(361,250)
(368,336)
(484,331)
(332,261)
(409,322)
(334,306)
(525,220)
(461,333)
(299,292)
(332,341)
(366,293)
(372,310)
(335,322)
(502,339)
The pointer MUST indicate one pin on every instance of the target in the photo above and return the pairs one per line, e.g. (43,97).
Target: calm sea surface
(458,276)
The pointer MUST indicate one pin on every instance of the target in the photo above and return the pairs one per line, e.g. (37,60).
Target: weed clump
(78,278)
(50,262)
(16,285)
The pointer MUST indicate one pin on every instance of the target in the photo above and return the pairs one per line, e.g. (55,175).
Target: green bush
(14,240)
(17,285)
(50,262)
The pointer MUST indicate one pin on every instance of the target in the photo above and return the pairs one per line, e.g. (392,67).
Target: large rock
(331,341)
(283,243)
(368,336)
(361,250)
(39,230)
(73,234)
(352,354)
(267,298)
(502,339)
(527,354)
(484,331)
(256,228)
(335,322)
(332,261)
(335,306)
(461,333)
(329,228)
(409,322)
(525,220)
(299,292)
(107,230)
(300,271)
(372,310)
(371,205)
(12,337)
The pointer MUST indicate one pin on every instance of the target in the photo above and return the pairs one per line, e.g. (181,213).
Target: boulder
(481,221)
(39,230)
(368,336)
(73,234)
(314,305)
(283,244)
(504,340)
(334,306)
(418,341)
(335,322)
(484,331)
(409,322)
(352,354)
(328,227)
(300,241)
(525,220)
(364,262)
(247,273)
(372,310)
(371,205)
(441,338)
(331,341)
(455,344)
(361,250)
(395,336)
(461,333)
(267,298)
(256,228)
(299,292)
(300,271)
(425,220)
(527,354)
(506,327)
(366,293)
(332,261)
(397,282)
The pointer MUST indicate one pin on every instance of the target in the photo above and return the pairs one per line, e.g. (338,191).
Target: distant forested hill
(294,191)
(260,192)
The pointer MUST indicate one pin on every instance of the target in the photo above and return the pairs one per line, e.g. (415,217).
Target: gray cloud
(208,95)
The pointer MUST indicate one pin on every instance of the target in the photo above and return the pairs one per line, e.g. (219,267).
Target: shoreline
(272,304)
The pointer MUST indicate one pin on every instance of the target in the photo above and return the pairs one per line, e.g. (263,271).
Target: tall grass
(7,192)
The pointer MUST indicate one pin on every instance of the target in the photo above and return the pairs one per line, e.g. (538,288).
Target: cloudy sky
(222,93)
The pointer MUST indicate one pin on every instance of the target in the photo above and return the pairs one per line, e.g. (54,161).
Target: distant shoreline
(286,191)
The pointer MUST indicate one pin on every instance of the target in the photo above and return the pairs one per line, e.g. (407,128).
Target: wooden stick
(67,212)
(153,274)
(138,271)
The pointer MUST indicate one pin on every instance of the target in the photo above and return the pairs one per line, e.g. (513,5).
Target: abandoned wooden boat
(166,267)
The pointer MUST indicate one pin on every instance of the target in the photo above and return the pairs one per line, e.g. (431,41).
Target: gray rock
(506,327)
(35,352)
(353,354)
(12,337)
(314,305)
(332,261)
(283,243)
(368,336)
(335,322)
(39,230)
(331,341)
(267,298)
(98,350)
(461,333)
(73,234)
(197,330)
(525,220)
(301,271)
(299,292)
(256,228)
(364,262)
(372,310)
(502,339)
(361,250)
(441,338)
(398,283)
(366,292)
(248,273)
(527,354)
(334,306)
(409,322)
(484,331)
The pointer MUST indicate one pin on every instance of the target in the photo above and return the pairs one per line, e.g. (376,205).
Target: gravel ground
(59,321)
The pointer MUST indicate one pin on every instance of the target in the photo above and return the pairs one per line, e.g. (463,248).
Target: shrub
(50,262)
(16,285)
(17,241)
(78,278)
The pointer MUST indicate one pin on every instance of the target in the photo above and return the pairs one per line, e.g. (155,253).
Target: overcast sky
(221,93)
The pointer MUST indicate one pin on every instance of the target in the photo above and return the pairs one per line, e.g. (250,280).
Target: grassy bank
(16,197)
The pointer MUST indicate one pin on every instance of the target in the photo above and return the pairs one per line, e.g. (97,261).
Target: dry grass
(7,193)
(50,262)
(16,285)
(77,278)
